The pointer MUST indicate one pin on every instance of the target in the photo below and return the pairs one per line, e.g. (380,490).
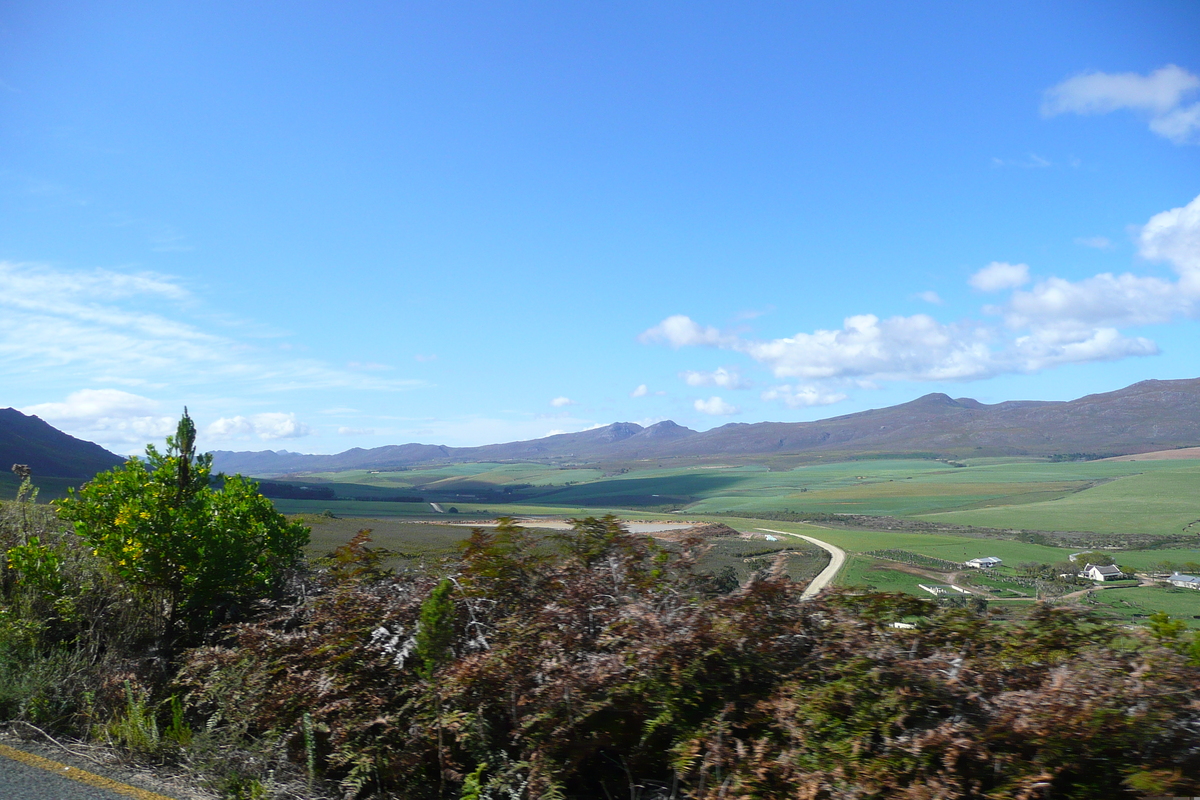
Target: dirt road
(837,559)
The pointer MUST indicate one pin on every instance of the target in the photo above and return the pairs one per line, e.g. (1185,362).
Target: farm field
(1160,499)
(937,545)
(430,542)
(1155,498)
(874,574)
(1138,602)
(48,488)
(1145,497)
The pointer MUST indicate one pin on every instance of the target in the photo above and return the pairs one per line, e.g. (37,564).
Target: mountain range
(1150,415)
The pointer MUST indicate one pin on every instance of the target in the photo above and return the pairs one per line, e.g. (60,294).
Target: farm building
(987,562)
(1101,573)
(1185,581)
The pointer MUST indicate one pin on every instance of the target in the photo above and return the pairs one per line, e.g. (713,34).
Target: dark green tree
(435,630)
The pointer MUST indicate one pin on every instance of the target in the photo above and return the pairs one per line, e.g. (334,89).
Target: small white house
(1101,573)
(1184,581)
(987,562)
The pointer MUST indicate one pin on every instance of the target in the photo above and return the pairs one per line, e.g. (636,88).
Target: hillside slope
(48,451)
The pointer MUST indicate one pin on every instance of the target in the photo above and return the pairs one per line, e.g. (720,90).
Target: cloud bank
(119,419)
(1043,323)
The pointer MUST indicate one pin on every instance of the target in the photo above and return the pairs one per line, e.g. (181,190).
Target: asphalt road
(837,558)
(27,776)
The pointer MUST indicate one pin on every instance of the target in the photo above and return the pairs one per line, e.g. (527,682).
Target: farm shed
(1184,581)
(987,562)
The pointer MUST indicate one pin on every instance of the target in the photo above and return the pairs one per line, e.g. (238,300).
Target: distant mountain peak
(665,430)
(619,431)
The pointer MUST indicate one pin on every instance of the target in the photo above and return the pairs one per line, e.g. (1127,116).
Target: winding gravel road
(837,559)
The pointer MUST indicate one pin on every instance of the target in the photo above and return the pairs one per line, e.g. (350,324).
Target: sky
(326,225)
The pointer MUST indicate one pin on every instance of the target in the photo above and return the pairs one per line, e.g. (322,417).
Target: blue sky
(332,225)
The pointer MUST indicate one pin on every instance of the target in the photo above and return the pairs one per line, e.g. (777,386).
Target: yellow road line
(80,775)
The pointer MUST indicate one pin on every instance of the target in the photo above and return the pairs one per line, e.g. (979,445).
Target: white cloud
(931,297)
(802,396)
(726,379)
(641,391)
(1102,300)
(1181,126)
(680,331)
(344,431)
(1101,92)
(1174,236)
(560,402)
(716,407)
(1098,242)
(916,347)
(118,420)
(1053,348)
(135,329)
(1161,95)
(999,275)
(1033,162)
(93,403)
(269,426)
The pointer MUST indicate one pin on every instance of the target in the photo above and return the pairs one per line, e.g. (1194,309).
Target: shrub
(162,528)
(604,669)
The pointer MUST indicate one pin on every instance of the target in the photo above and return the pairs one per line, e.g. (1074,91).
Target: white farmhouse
(1184,581)
(1101,573)
(987,562)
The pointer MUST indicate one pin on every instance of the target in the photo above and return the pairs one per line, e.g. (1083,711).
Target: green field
(48,488)
(1109,498)
(1150,497)
(1159,498)
(430,544)
(1124,604)
(873,574)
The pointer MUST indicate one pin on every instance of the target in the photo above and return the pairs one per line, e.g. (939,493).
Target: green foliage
(1093,557)
(435,629)
(162,528)
(602,667)
(472,787)
(1164,629)
(136,728)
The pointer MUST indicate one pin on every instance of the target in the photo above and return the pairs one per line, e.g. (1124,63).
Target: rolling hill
(1147,416)
(49,452)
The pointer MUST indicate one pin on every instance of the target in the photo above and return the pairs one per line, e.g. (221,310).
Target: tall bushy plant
(161,526)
